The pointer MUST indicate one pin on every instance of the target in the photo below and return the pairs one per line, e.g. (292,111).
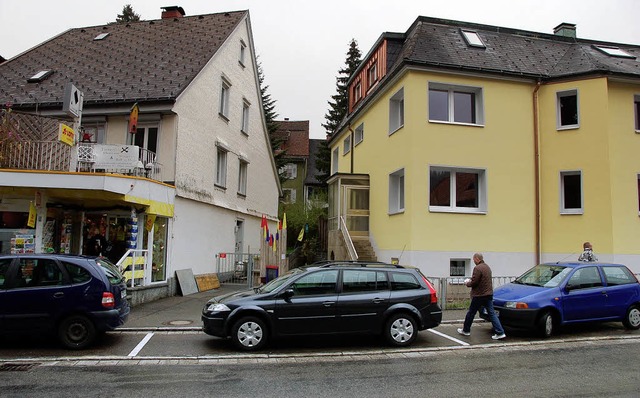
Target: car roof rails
(365,264)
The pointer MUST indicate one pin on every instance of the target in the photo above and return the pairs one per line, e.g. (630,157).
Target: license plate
(123,294)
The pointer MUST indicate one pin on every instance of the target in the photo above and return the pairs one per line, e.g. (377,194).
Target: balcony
(84,157)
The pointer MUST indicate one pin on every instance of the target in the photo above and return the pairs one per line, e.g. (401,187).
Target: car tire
(249,333)
(632,319)
(76,332)
(401,330)
(546,324)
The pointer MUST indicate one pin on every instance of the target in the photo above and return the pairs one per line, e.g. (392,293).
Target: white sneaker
(462,332)
(499,336)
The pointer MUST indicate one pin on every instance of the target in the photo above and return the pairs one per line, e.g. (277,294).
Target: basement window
(472,38)
(614,51)
(40,76)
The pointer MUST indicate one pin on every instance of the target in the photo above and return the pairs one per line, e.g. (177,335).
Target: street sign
(72,100)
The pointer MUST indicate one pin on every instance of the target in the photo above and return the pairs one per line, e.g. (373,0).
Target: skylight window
(614,51)
(40,76)
(472,38)
(101,36)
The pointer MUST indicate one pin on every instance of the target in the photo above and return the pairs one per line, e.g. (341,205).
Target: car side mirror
(287,294)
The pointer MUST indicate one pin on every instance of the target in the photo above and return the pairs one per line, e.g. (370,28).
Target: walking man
(481,286)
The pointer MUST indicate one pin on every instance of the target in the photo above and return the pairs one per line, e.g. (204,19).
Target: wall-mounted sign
(66,135)
(115,156)
(72,100)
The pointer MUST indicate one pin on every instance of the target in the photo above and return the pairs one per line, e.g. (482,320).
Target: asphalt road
(584,368)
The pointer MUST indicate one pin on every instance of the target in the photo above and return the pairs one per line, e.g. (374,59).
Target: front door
(356,210)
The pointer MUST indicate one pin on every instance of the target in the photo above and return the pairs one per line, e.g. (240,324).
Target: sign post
(72,105)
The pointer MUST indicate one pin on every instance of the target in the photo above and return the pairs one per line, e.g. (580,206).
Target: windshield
(279,281)
(544,275)
(110,270)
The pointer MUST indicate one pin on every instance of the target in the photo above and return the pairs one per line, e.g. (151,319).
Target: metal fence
(238,268)
(453,294)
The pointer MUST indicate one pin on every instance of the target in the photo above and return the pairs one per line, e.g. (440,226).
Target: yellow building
(464,138)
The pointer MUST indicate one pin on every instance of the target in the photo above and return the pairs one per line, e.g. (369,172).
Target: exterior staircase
(364,249)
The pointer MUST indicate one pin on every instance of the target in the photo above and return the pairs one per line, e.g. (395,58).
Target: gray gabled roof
(147,61)
(439,43)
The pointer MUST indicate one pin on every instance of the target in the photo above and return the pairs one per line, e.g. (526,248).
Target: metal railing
(453,294)
(347,240)
(57,156)
(237,268)
(134,266)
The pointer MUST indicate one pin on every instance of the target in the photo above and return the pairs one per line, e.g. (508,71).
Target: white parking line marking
(141,345)
(446,336)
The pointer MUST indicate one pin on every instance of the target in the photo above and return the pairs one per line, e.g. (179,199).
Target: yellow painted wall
(625,167)
(503,147)
(587,149)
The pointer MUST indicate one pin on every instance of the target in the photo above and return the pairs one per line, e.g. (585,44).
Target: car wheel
(401,330)
(76,332)
(632,320)
(249,334)
(546,325)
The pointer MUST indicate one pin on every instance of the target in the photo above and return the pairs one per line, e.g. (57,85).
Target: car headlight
(516,304)
(217,307)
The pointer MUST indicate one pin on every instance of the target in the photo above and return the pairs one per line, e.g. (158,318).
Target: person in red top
(481,286)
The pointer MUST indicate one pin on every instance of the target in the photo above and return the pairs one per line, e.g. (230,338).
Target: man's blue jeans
(476,304)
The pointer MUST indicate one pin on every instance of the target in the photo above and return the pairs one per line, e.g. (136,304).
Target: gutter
(536,166)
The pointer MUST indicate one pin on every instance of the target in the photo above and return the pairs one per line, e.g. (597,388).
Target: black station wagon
(332,298)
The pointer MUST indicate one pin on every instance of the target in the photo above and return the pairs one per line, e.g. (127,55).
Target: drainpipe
(536,166)
(351,144)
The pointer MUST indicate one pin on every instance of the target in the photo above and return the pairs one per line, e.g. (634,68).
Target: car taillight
(434,295)
(108,301)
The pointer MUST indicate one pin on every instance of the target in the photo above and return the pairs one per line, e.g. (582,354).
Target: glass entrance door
(356,210)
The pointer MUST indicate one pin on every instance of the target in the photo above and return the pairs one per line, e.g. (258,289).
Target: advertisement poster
(23,244)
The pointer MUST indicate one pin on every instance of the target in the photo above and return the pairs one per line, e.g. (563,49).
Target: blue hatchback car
(74,297)
(551,295)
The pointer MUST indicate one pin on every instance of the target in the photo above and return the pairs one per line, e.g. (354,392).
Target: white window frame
(291,195)
(243,167)
(396,192)
(396,111)
(459,279)
(357,92)
(559,96)
(372,74)
(451,89)
(453,208)
(224,98)
(563,209)
(334,160)
(289,171)
(359,134)
(245,117)
(346,145)
(243,53)
(221,167)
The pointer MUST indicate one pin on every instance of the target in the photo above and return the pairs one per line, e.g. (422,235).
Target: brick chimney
(172,12)
(565,29)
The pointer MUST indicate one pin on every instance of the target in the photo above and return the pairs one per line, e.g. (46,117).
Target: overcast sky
(302,44)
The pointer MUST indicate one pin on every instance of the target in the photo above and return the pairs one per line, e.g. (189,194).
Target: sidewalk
(183,312)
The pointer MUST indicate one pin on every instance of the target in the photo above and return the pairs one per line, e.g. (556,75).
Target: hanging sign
(66,135)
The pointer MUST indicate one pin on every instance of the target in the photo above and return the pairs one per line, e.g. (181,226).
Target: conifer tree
(338,107)
(128,15)
(270,115)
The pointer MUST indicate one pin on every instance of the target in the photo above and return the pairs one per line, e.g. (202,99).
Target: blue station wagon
(74,297)
(551,295)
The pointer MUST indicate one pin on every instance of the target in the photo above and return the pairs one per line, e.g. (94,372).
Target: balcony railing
(57,156)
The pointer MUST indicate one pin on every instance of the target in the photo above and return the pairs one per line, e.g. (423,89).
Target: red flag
(271,240)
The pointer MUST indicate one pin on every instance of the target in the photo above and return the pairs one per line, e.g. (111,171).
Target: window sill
(220,187)
(396,212)
(346,153)
(456,123)
(394,131)
(571,212)
(223,117)
(437,209)
(242,195)
(244,132)
(571,127)
(241,64)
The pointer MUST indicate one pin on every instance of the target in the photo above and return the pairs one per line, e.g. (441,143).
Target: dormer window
(472,38)
(40,76)
(101,36)
(373,74)
(614,51)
